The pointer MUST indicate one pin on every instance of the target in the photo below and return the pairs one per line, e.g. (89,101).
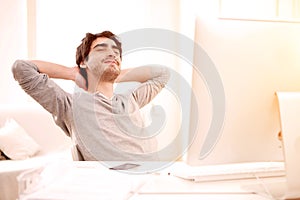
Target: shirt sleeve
(149,89)
(45,91)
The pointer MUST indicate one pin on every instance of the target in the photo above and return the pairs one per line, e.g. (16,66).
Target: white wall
(62,24)
(13,45)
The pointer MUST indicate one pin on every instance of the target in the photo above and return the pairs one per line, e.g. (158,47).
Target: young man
(103,125)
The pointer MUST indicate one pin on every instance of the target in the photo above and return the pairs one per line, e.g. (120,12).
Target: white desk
(90,180)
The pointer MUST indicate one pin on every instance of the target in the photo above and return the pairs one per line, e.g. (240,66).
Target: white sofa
(39,125)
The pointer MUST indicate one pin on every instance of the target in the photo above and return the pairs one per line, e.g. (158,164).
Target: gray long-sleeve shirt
(102,128)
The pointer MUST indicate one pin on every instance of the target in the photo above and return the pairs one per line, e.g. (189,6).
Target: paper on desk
(89,182)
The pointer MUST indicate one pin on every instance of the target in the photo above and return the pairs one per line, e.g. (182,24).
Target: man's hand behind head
(79,79)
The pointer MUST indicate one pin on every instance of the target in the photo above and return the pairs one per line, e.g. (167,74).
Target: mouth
(111,62)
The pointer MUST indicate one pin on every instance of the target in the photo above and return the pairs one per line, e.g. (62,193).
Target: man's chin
(110,75)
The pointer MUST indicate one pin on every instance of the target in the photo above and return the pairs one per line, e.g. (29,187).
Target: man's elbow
(20,68)
(17,67)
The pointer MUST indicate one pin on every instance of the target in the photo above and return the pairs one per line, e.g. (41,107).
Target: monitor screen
(254,60)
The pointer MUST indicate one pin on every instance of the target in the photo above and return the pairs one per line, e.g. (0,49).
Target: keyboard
(248,170)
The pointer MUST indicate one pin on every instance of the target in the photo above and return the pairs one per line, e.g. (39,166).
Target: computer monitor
(253,62)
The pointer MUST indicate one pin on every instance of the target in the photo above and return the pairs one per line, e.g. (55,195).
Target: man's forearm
(139,74)
(55,70)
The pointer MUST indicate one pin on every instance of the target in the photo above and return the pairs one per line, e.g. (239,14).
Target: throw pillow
(15,143)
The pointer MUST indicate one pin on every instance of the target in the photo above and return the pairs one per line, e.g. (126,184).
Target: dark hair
(83,49)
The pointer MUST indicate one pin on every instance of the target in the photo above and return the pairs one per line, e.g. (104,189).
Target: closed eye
(99,49)
(105,47)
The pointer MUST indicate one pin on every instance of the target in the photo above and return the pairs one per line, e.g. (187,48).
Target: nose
(111,53)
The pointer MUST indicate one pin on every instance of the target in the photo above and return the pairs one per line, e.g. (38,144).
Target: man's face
(104,60)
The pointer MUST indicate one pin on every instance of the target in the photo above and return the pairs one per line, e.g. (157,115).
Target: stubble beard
(110,74)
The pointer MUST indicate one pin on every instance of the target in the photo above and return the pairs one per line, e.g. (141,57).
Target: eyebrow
(105,45)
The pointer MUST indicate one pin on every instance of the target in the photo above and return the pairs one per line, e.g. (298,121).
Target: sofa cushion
(15,143)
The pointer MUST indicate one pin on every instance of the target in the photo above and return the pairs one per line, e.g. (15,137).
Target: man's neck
(104,87)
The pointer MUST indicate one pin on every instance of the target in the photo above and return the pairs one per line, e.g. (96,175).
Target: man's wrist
(74,71)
